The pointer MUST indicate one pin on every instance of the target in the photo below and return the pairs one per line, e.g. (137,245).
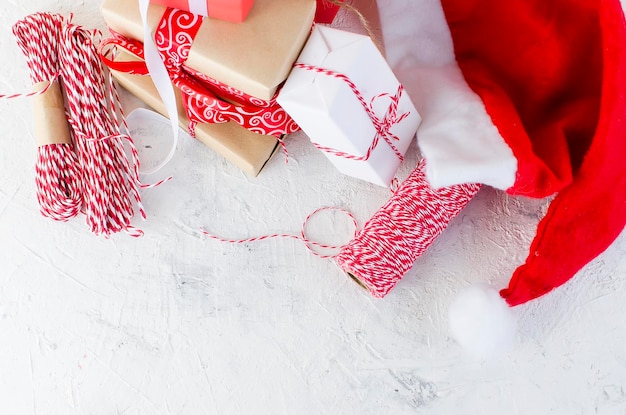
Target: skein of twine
(94,176)
(57,171)
(110,181)
(401,230)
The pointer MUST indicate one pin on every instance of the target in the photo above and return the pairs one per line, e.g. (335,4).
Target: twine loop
(311,245)
(93,174)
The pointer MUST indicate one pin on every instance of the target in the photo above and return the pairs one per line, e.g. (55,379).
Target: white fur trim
(457,137)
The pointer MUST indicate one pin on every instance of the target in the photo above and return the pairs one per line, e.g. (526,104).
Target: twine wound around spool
(389,243)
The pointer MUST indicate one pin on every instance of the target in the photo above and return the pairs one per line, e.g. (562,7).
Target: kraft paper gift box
(245,149)
(364,138)
(231,10)
(254,56)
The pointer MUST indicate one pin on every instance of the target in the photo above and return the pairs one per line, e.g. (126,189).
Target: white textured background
(175,324)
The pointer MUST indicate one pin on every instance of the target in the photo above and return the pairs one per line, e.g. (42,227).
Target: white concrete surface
(173,323)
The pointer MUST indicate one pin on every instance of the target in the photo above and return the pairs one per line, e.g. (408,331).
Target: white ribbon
(198,7)
(161,80)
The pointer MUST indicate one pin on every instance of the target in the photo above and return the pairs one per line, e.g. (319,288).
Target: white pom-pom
(482,322)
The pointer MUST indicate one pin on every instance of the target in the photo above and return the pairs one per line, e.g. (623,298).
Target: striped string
(401,230)
(382,125)
(95,171)
(110,184)
(49,84)
(57,177)
(387,246)
(313,246)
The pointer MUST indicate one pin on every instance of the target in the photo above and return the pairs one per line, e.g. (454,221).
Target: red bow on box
(200,93)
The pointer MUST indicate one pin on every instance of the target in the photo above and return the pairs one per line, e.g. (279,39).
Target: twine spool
(401,230)
(387,246)
(57,177)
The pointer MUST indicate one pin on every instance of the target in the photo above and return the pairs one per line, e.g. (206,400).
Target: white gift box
(322,94)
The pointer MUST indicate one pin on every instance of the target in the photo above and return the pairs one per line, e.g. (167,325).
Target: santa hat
(538,109)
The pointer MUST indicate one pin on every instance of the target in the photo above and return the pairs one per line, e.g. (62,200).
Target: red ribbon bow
(200,93)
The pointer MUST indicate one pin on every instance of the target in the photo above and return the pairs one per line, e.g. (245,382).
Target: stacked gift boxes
(339,88)
(245,149)
(236,66)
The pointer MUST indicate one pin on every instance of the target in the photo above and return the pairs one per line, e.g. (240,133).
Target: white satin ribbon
(199,7)
(161,80)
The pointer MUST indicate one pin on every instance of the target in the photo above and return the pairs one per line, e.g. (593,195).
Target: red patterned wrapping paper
(244,149)
(254,57)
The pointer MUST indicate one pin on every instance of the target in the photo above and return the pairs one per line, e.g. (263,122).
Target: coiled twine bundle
(110,184)
(57,172)
(401,230)
(92,173)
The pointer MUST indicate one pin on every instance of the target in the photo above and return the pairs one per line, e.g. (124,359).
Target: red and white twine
(94,176)
(401,230)
(57,172)
(313,246)
(388,245)
(110,184)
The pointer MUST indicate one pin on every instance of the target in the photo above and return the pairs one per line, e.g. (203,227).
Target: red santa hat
(549,78)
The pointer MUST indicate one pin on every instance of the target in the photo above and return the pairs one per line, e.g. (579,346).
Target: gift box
(345,97)
(254,56)
(204,99)
(245,149)
(231,10)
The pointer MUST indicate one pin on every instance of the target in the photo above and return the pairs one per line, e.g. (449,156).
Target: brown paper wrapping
(51,125)
(247,150)
(254,56)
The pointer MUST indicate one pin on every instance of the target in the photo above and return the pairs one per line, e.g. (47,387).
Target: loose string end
(311,245)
